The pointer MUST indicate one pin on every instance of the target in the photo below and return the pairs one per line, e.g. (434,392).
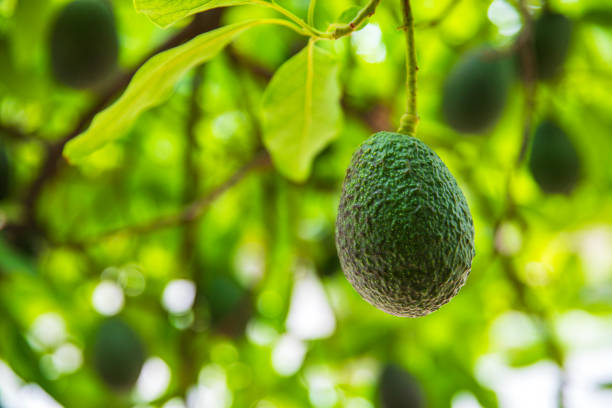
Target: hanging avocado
(476,90)
(404,232)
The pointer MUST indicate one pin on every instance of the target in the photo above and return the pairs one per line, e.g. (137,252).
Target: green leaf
(153,84)
(166,12)
(301,111)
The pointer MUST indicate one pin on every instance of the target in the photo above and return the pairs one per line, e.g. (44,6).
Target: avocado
(404,232)
(552,38)
(554,162)
(476,90)
(84,44)
(229,305)
(399,389)
(118,354)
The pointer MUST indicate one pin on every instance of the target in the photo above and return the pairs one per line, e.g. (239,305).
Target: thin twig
(190,171)
(337,31)
(14,133)
(527,56)
(190,213)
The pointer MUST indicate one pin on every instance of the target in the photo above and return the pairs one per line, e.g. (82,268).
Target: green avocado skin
(118,354)
(399,389)
(476,90)
(404,232)
(84,44)
(552,38)
(554,162)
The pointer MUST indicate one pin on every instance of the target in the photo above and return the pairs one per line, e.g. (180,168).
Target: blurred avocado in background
(118,354)
(552,40)
(397,388)
(229,305)
(554,161)
(83,43)
(476,90)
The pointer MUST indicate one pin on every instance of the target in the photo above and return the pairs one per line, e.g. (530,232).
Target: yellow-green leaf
(153,84)
(166,12)
(301,111)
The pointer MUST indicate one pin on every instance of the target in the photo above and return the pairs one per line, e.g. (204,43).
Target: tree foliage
(191,188)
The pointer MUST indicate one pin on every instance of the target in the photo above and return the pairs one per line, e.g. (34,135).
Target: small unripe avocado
(83,43)
(552,38)
(398,389)
(554,162)
(476,90)
(118,354)
(404,232)
(223,295)
(229,305)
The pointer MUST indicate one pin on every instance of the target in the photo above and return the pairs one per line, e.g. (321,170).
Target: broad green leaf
(301,111)
(166,12)
(152,85)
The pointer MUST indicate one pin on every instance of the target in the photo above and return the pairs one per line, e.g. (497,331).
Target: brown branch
(189,367)
(526,50)
(255,68)
(190,213)
(14,133)
(191,177)
(528,65)
(201,23)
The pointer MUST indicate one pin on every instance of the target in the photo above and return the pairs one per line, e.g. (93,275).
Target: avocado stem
(410,119)
(338,31)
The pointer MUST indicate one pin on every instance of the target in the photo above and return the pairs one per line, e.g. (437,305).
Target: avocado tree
(240,203)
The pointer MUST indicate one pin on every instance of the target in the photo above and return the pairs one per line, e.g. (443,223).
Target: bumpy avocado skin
(404,232)
(476,90)
(554,162)
(552,38)
(398,389)
(118,354)
(83,43)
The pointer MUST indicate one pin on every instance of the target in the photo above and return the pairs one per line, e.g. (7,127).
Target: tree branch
(48,171)
(191,212)
(191,178)
(526,50)
(527,57)
(13,132)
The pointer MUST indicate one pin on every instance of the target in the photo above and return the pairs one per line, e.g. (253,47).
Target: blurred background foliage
(246,306)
